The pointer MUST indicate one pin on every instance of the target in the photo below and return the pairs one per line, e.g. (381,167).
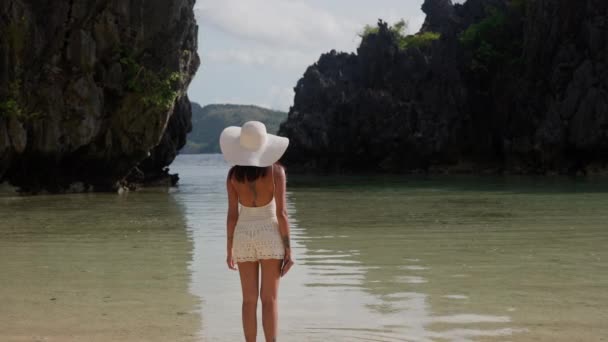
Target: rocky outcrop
(92,91)
(510,86)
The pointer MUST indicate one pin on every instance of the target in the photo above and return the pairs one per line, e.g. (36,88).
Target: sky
(255,51)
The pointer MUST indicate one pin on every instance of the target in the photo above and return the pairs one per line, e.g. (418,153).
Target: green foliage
(418,40)
(491,42)
(160,90)
(399,28)
(156,89)
(484,30)
(368,30)
(209,121)
(14,103)
(12,106)
(399,31)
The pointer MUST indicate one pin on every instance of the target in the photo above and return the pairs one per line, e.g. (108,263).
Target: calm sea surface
(378,259)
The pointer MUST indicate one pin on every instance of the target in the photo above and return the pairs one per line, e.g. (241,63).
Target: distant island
(209,121)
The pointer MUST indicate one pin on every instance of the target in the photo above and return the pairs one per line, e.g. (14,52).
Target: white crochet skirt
(257,235)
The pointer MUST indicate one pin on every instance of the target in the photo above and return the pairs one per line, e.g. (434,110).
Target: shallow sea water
(378,259)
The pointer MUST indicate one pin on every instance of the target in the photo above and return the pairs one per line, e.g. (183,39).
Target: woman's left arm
(282,217)
(231,219)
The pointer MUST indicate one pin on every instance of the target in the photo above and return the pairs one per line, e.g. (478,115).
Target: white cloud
(278,23)
(277,59)
(254,51)
(280,98)
(287,35)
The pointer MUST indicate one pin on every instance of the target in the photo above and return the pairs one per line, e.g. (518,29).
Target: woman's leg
(271,273)
(249,285)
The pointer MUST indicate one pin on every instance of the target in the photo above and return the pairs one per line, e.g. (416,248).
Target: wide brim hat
(251,145)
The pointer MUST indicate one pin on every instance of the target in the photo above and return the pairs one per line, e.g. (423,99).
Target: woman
(258,232)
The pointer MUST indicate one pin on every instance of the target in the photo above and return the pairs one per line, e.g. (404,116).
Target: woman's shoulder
(278,168)
(279,174)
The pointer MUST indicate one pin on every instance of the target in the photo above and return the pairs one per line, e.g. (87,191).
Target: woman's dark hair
(249,173)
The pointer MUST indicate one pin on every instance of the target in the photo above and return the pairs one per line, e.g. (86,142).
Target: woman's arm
(231,219)
(280,186)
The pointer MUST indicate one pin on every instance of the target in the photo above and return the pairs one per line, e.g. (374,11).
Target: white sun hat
(251,145)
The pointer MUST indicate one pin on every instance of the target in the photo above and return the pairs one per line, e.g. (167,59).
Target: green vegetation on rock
(156,89)
(209,121)
(483,30)
(418,40)
(399,30)
(490,41)
(10,108)
(13,105)
(14,35)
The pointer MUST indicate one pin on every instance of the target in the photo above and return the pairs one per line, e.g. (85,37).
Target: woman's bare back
(257,193)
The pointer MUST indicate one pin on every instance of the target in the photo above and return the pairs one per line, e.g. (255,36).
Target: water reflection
(95,268)
(430,264)
(369,252)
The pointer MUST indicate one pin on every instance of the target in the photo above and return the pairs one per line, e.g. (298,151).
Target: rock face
(510,86)
(92,91)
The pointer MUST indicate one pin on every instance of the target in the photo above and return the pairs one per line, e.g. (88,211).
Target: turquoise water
(378,259)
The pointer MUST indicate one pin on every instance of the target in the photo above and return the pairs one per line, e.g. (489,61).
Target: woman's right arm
(231,219)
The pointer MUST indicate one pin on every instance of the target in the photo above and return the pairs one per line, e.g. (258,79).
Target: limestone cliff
(486,86)
(93,91)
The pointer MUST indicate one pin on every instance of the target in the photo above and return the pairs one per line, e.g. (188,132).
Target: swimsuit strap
(273,184)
